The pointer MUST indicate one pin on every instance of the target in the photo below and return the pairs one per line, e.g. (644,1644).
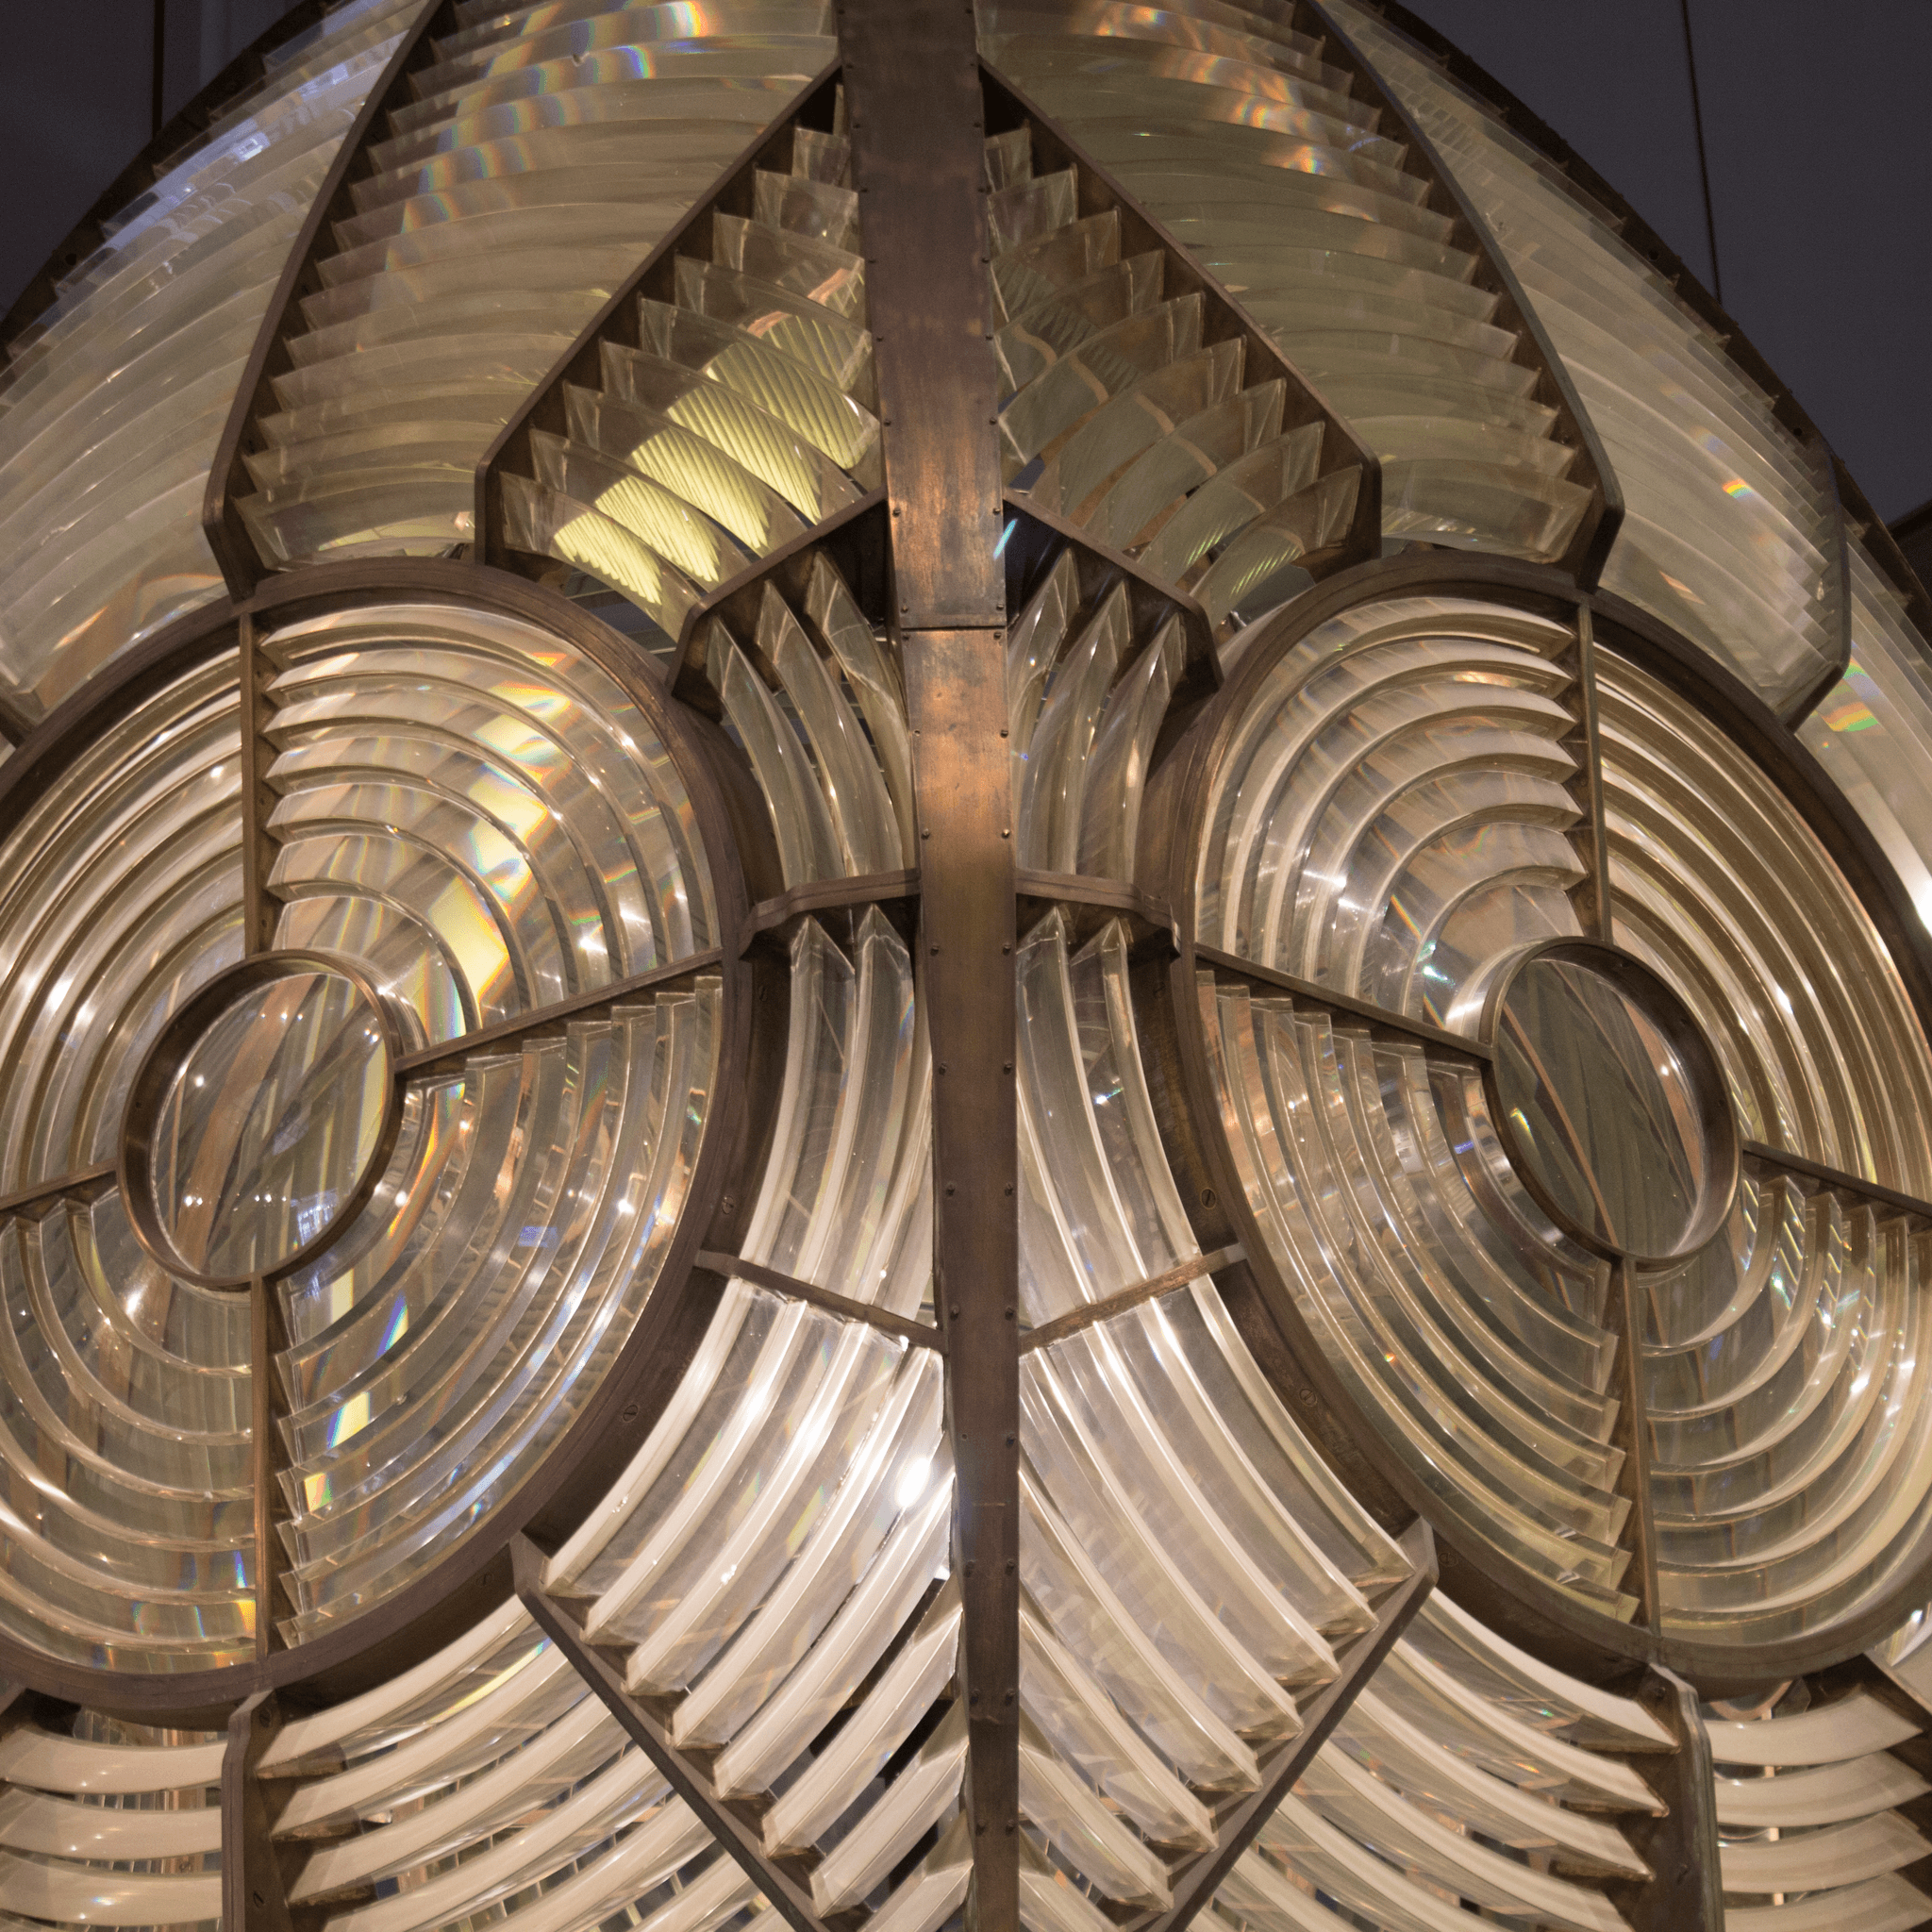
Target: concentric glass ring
(1406,999)
(443,1116)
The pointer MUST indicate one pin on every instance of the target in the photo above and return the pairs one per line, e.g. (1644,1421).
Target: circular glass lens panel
(269,1123)
(1606,1111)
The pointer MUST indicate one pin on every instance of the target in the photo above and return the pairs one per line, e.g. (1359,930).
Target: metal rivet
(949,1187)
(1009,1187)
(1010,1312)
(1011,1566)
(1008,1068)
(942,1066)
(1006,831)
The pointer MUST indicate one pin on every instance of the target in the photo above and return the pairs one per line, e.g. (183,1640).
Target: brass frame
(921,100)
(1531,1613)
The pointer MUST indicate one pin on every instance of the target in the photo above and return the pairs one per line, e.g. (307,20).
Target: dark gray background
(1820,162)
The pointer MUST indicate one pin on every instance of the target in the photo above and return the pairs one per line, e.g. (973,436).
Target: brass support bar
(1460,1045)
(1591,898)
(917,1333)
(228,535)
(1083,889)
(258,801)
(77,1182)
(912,88)
(1778,1158)
(1178,1276)
(956,683)
(1237,1822)
(1624,1318)
(267,1338)
(1685,1892)
(253,1898)
(603,1678)
(450,1052)
(828,895)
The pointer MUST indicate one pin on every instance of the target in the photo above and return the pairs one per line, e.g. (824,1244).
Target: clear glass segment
(1392,821)
(1730,528)
(124,1399)
(1395,818)
(1449,1788)
(538,162)
(748,412)
(480,823)
(533,1191)
(1244,138)
(1871,729)
(1413,1224)
(1116,415)
(1188,1567)
(269,1123)
(108,1822)
(1734,901)
(1590,1074)
(1811,1805)
(819,706)
(489,1782)
(111,403)
(1088,683)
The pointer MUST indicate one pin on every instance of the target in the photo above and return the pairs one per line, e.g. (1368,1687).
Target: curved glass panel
(538,162)
(365,1020)
(1246,139)
(269,1123)
(1730,527)
(113,401)
(1396,831)
(475,823)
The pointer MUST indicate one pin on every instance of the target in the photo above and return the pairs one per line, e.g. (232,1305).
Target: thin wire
(1717,280)
(161,62)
